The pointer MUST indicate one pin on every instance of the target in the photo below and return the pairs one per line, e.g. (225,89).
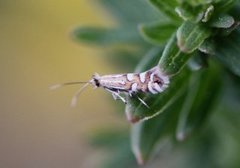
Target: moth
(152,81)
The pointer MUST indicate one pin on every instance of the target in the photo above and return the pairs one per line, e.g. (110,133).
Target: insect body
(152,81)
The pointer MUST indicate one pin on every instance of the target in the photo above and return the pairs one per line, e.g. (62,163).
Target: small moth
(152,81)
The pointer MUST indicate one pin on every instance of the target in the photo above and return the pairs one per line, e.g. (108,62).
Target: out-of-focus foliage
(195,122)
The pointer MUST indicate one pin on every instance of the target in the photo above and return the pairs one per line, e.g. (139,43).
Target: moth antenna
(59,85)
(77,94)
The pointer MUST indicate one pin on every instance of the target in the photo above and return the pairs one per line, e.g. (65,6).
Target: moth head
(95,80)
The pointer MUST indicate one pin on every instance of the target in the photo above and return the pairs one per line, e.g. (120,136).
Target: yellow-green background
(38,128)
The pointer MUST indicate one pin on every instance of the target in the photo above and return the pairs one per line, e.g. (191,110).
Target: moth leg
(117,95)
(114,96)
(143,102)
(131,94)
(123,99)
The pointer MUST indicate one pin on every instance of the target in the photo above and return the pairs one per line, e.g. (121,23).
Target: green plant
(196,121)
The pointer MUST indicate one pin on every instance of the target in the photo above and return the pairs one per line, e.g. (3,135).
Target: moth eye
(96,82)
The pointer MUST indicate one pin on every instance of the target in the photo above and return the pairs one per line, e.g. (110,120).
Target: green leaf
(149,59)
(172,60)
(228,51)
(197,2)
(208,47)
(191,35)
(202,95)
(146,134)
(131,12)
(157,33)
(198,61)
(103,36)
(235,10)
(208,13)
(224,5)
(122,57)
(222,21)
(167,7)
(227,31)
(190,13)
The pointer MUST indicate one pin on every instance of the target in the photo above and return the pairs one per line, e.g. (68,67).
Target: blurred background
(38,128)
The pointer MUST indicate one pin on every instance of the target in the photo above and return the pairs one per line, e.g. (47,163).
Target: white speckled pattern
(130,76)
(134,87)
(142,77)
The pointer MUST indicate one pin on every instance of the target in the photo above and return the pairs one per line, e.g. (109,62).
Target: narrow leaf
(222,21)
(198,2)
(208,47)
(167,8)
(191,35)
(227,31)
(102,36)
(172,60)
(131,12)
(228,51)
(198,61)
(124,57)
(224,5)
(190,13)
(149,59)
(202,94)
(157,33)
(208,13)
(235,10)
(145,135)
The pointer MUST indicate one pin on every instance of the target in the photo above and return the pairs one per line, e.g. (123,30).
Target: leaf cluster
(196,43)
